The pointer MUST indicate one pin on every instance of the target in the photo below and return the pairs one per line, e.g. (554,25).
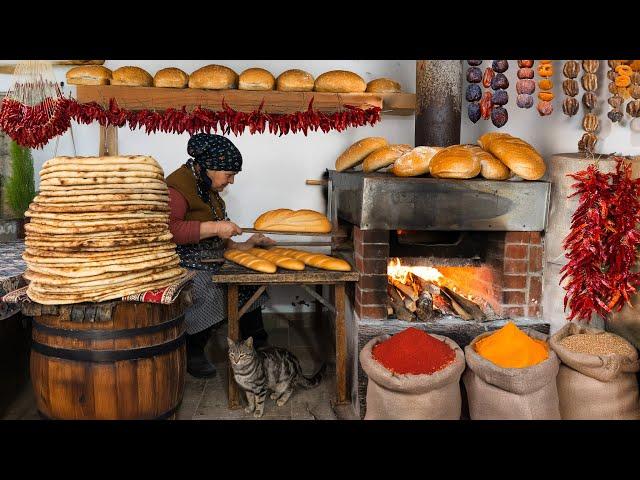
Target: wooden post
(341,346)
(234,334)
(108,141)
(438,102)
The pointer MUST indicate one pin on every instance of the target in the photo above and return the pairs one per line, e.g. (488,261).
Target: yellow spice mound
(510,347)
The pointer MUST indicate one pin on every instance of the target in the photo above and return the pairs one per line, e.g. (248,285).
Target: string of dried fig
(545,95)
(499,85)
(525,86)
(590,122)
(570,70)
(474,92)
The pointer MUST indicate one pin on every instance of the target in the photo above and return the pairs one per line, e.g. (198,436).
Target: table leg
(318,312)
(341,346)
(234,334)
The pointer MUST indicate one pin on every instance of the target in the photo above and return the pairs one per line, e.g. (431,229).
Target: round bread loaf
(383,85)
(414,163)
(256,79)
(132,77)
(89,75)
(383,157)
(295,81)
(340,81)
(515,153)
(171,78)
(456,161)
(286,220)
(214,77)
(356,153)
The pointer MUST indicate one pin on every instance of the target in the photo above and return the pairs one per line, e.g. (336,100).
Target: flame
(401,273)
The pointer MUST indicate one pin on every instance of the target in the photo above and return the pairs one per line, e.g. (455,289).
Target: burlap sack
(412,397)
(496,393)
(595,387)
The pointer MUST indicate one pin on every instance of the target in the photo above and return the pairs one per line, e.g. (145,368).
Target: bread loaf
(456,161)
(256,79)
(250,261)
(214,77)
(295,81)
(356,153)
(491,168)
(383,157)
(281,261)
(340,81)
(316,260)
(171,78)
(415,162)
(520,157)
(132,77)
(286,220)
(383,85)
(89,75)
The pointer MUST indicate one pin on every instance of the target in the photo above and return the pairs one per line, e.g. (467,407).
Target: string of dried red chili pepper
(33,127)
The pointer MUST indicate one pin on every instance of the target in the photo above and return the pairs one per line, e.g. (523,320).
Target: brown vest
(184,181)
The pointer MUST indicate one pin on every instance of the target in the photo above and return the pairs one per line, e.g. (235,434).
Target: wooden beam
(138,98)
(319,298)
(252,300)
(108,141)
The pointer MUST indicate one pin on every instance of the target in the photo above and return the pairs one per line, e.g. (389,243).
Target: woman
(201,229)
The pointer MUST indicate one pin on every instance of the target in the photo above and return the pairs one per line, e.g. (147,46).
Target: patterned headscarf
(211,152)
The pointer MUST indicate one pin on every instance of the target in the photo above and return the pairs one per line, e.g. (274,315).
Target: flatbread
(159,197)
(46,281)
(71,257)
(89,249)
(103,204)
(97,175)
(65,192)
(75,263)
(101,167)
(122,228)
(156,217)
(96,222)
(37,207)
(100,181)
(115,159)
(150,185)
(91,271)
(106,243)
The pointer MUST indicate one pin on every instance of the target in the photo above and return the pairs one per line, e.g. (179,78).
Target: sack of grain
(597,378)
(393,396)
(498,393)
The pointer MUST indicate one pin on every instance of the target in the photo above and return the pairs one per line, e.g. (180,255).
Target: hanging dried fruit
(525,86)
(570,106)
(487,77)
(590,122)
(570,87)
(474,92)
(485,105)
(545,70)
(590,100)
(571,69)
(499,83)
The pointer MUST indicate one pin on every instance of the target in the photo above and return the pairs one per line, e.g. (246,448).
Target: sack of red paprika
(410,396)
(597,378)
(498,393)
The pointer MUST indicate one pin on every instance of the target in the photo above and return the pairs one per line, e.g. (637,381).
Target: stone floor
(206,399)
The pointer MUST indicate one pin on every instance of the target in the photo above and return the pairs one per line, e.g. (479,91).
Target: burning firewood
(469,306)
(402,313)
(405,289)
(424,306)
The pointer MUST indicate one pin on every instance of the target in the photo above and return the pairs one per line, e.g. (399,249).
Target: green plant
(20,188)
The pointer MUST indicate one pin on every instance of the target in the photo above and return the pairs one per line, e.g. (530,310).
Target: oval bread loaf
(515,153)
(317,260)
(383,85)
(131,76)
(214,77)
(356,153)
(415,162)
(89,75)
(340,81)
(281,261)
(456,161)
(250,261)
(295,81)
(285,220)
(256,79)
(171,78)
(383,157)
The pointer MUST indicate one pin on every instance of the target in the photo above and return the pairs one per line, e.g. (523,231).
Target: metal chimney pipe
(438,102)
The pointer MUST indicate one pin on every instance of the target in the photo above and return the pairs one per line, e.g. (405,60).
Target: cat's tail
(314,381)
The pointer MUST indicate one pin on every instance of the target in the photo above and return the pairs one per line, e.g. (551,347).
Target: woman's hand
(223,229)
(259,240)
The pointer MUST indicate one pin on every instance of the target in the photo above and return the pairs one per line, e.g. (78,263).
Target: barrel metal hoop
(162,416)
(108,356)
(107,334)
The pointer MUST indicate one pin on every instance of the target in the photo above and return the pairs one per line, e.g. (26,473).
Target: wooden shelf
(138,98)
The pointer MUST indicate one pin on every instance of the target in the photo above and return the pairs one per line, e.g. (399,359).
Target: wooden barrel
(110,360)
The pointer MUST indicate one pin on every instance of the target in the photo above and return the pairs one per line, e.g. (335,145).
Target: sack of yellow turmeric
(597,377)
(519,392)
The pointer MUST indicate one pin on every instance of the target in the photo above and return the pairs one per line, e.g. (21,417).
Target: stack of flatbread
(99,230)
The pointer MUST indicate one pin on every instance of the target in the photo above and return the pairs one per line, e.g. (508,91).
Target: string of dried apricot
(545,70)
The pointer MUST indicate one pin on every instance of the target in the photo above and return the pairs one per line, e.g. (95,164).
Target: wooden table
(234,275)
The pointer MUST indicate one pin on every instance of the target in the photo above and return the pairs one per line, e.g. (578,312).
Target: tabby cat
(270,368)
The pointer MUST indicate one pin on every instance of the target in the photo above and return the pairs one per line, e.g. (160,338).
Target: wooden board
(234,273)
(138,98)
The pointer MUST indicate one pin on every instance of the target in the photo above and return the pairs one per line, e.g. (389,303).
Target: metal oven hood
(382,201)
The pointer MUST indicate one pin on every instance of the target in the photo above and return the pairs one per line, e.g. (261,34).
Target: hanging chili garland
(603,244)
(25,124)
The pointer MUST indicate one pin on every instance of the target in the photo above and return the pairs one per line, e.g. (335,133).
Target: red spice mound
(414,352)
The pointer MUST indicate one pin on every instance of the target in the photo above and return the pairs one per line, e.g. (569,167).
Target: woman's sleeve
(183,231)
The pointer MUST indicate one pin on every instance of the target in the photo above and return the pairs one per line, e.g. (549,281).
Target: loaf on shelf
(171,78)
(415,162)
(286,220)
(89,75)
(383,157)
(316,260)
(518,155)
(356,153)
(214,77)
(281,261)
(464,161)
(383,85)
(256,79)
(340,81)
(250,261)
(131,77)
(295,80)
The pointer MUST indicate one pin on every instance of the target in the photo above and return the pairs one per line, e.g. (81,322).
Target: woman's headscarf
(211,152)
